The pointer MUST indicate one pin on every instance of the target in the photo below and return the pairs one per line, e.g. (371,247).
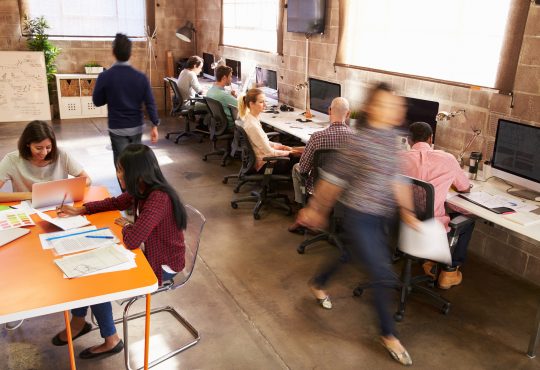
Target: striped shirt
(367,169)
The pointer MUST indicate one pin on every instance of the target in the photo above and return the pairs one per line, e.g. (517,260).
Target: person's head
(253,101)
(38,142)
(382,107)
(420,132)
(122,47)
(195,63)
(139,173)
(339,110)
(223,75)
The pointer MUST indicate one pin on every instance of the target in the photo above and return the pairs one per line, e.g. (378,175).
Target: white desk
(495,186)
(287,122)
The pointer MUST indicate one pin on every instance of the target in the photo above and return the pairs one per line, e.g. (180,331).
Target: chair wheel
(256,216)
(289,211)
(446,309)
(236,190)
(223,164)
(301,249)
(225,180)
(204,158)
(431,284)
(398,316)
(357,292)
(167,136)
(234,205)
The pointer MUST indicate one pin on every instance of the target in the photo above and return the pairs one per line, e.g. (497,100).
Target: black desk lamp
(187,33)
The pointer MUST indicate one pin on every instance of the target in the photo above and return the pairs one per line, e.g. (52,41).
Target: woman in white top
(37,160)
(250,107)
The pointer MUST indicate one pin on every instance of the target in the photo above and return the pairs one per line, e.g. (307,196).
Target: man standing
(333,137)
(124,90)
(442,170)
(217,91)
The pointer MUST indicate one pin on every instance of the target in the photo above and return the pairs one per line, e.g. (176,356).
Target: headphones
(285,108)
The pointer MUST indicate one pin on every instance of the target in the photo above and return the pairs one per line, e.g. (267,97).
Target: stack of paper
(65,223)
(80,241)
(429,242)
(101,260)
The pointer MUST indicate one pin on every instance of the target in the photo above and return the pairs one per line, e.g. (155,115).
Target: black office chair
(424,200)
(248,174)
(184,108)
(218,130)
(321,158)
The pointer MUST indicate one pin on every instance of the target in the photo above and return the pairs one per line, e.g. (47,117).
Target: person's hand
(67,211)
(234,93)
(122,221)
(311,218)
(299,150)
(284,147)
(154,135)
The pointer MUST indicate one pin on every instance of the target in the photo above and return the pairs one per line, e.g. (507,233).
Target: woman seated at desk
(250,107)
(160,219)
(37,160)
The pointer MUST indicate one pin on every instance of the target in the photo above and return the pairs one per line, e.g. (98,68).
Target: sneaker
(448,279)
(13,325)
(428,267)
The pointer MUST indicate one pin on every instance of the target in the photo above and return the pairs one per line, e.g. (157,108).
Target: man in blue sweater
(124,90)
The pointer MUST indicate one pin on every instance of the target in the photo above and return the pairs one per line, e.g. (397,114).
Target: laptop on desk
(9,235)
(50,193)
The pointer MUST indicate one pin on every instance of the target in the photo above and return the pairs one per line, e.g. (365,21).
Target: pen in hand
(63,200)
(99,237)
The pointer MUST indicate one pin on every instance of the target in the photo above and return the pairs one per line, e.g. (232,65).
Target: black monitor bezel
(236,77)
(209,66)
(323,81)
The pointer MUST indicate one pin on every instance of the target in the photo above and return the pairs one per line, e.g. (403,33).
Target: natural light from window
(458,40)
(251,24)
(83,18)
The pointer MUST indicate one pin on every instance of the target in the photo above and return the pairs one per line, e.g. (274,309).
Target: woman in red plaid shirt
(160,219)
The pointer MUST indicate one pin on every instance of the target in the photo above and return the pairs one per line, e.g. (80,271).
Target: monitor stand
(525,194)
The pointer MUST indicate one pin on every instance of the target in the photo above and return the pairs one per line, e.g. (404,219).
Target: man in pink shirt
(442,170)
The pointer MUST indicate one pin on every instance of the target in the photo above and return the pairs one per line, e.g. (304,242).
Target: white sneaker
(13,325)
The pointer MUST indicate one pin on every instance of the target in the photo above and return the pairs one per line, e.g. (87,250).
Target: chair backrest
(235,144)
(248,155)
(192,237)
(178,102)
(424,199)
(321,159)
(234,113)
(219,123)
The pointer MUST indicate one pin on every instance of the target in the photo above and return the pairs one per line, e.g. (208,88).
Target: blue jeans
(460,250)
(367,242)
(104,317)
(167,275)
(118,143)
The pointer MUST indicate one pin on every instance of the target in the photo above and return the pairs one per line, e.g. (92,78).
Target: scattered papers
(495,201)
(96,261)
(523,218)
(14,218)
(65,223)
(429,242)
(80,241)
(46,244)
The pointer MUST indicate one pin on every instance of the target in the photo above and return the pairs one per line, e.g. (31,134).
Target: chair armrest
(268,159)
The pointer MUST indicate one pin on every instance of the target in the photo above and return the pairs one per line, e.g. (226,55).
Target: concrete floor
(248,295)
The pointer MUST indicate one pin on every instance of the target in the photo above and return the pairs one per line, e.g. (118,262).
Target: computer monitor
(321,94)
(419,110)
(516,154)
(207,71)
(237,69)
(266,80)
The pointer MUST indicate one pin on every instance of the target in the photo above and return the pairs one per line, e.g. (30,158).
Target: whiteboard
(23,86)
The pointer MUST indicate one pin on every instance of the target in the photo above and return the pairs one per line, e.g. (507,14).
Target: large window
(252,24)
(458,40)
(95,18)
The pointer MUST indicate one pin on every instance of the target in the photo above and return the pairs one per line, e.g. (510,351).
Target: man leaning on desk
(442,170)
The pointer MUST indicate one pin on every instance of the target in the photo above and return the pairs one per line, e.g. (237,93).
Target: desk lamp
(447,116)
(187,33)
(301,86)
(219,62)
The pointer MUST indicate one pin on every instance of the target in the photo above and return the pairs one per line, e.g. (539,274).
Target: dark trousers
(104,317)
(460,250)
(367,242)
(119,143)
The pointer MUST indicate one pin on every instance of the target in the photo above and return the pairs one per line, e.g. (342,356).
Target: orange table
(32,285)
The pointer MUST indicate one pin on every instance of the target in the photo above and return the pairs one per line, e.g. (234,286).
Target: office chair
(424,200)
(248,174)
(218,130)
(192,237)
(182,107)
(321,158)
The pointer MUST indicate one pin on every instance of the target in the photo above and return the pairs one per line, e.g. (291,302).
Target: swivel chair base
(262,198)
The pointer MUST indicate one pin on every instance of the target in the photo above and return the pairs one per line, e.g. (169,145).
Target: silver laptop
(9,235)
(51,193)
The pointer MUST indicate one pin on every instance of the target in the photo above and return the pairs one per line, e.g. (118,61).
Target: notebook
(51,193)
(9,235)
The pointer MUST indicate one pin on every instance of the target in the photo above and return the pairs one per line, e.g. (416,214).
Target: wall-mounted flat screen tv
(306,16)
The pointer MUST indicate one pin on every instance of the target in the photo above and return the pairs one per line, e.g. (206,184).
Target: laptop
(51,193)
(9,235)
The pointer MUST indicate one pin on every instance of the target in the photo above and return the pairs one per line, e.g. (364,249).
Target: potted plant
(93,68)
(38,40)
(354,117)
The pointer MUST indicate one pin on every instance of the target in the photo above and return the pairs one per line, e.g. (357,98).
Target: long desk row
(288,122)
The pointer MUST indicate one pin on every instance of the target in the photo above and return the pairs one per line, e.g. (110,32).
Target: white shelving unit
(75,96)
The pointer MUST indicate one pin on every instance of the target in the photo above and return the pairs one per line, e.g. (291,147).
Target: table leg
(70,340)
(147,332)
(165,87)
(534,336)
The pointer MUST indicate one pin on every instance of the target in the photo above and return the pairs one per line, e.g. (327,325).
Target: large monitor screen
(306,16)
(237,69)
(321,94)
(266,80)
(517,150)
(419,110)
(208,60)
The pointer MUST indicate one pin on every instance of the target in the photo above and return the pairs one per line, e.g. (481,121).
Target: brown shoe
(448,279)
(428,268)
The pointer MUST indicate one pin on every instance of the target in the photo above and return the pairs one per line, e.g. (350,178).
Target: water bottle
(474,161)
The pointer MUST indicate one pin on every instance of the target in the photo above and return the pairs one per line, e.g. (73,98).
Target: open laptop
(9,235)
(51,193)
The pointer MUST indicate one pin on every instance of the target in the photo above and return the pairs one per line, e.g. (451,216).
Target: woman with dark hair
(38,159)
(160,219)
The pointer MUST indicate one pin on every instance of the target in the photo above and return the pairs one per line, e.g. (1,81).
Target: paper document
(65,223)
(46,244)
(495,201)
(523,218)
(90,262)
(430,242)
(82,241)
(15,218)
